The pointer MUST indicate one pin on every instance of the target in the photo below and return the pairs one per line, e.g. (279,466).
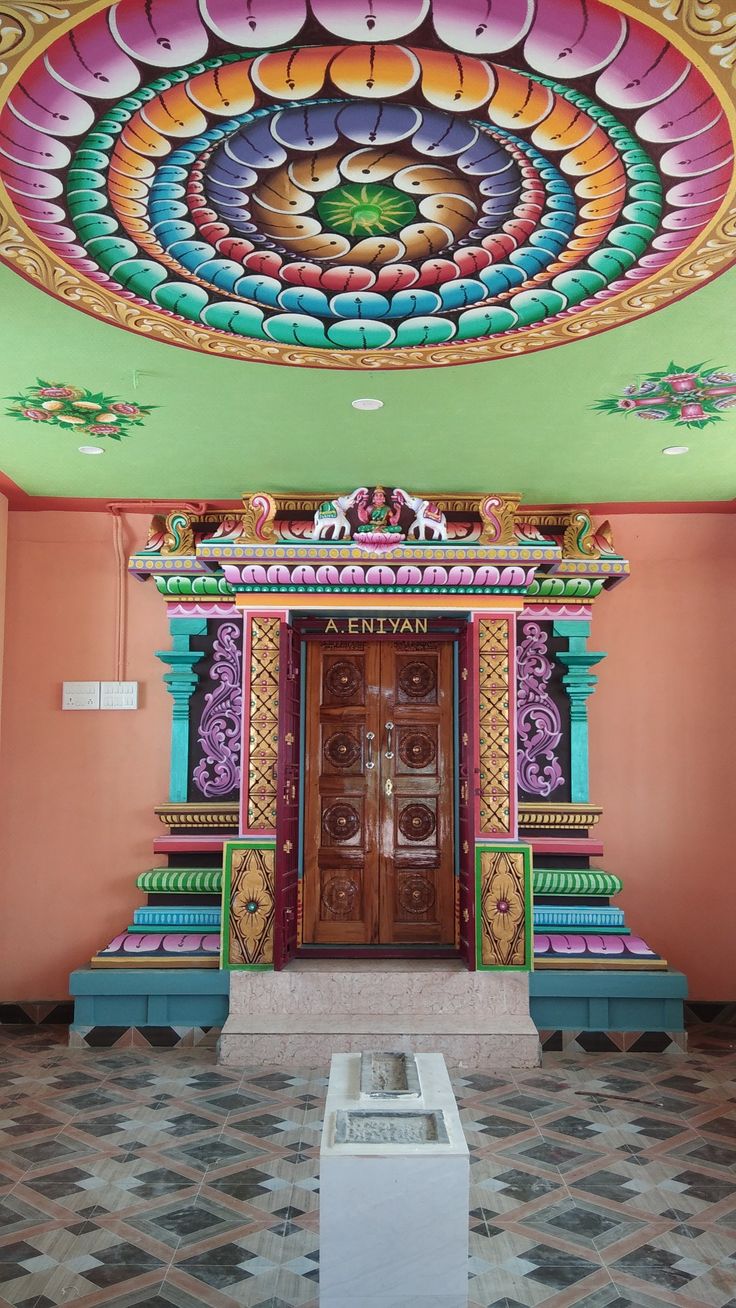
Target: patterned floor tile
(142,1178)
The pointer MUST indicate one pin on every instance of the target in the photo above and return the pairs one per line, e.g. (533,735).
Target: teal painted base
(128,997)
(608,1001)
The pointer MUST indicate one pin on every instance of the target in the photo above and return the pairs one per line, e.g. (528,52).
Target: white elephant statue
(331,520)
(429,522)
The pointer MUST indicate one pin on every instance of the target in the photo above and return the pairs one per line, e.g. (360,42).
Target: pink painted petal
(29,146)
(605,944)
(646,69)
(29,181)
(568,944)
(691,219)
(710,188)
(163,33)
(90,61)
(690,109)
(572,38)
(40,211)
(635,945)
(702,155)
(479,27)
(541,944)
(257,24)
(672,241)
(42,102)
(383,20)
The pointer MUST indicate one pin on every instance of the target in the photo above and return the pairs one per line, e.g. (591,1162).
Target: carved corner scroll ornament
(178,535)
(498,519)
(259,514)
(578,541)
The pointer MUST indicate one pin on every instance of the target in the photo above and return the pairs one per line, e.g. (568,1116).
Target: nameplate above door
(399,624)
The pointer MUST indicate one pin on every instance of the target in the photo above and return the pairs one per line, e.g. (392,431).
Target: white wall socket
(118,694)
(80,695)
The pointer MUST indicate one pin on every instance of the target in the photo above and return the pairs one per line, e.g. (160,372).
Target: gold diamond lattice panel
(493,727)
(264,723)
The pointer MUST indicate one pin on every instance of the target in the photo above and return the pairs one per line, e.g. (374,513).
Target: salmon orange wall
(662,725)
(77,789)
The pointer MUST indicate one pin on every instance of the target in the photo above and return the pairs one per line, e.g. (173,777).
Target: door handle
(370,737)
(389,739)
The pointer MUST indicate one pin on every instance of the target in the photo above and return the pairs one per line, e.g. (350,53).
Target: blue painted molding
(181,682)
(579,683)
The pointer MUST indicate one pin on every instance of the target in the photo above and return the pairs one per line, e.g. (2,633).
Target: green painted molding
(204,586)
(181,682)
(579,682)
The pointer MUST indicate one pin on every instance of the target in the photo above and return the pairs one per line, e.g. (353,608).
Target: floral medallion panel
(342,183)
(690,396)
(504,907)
(77,409)
(248,889)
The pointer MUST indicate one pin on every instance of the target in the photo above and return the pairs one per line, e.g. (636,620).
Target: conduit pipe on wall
(117,509)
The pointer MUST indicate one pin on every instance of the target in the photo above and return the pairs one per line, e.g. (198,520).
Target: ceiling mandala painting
(366,183)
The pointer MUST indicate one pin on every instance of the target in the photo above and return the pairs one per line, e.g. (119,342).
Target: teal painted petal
(80,179)
(89,225)
(462,293)
(644,212)
(578,284)
(647,191)
(550,241)
(99,141)
(414,303)
(86,202)
(305,299)
(296,329)
(190,254)
(110,250)
(171,229)
(501,277)
(643,172)
(489,321)
(361,334)
(244,319)
(359,304)
(170,173)
(632,237)
(181,298)
(611,263)
(264,290)
(85,158)
(530,260)
(159,210)
(222,273)
(424,331)
(533,306)
(140,276)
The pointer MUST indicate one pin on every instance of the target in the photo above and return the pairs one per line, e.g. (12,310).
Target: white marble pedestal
(393,1216)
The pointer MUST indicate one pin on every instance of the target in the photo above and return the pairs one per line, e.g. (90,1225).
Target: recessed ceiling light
(367,404)
(91,449)
(675,449)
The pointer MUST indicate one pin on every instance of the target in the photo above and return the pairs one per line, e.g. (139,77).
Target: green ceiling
(221,427)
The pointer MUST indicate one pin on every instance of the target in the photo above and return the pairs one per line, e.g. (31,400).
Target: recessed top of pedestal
(366,1126)
(386,1075)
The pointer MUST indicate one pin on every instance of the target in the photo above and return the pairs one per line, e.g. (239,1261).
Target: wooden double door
(379,794)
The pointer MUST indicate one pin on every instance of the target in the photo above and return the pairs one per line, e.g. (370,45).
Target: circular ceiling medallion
(397,183)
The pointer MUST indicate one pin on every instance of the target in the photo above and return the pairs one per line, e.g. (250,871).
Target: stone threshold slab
(379,1024)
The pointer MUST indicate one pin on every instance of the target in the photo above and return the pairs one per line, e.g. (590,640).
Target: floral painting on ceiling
(691,396)
(366,183)
(86,413)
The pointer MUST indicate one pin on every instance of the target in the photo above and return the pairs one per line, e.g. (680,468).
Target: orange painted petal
(138,135)
(596,152)
(567,126)
(225,90)
(277,191)
(374,70)
(317,172)
(609,181)
(453,81)
(174,114)
(374,251)
(425,239)
(129,162)
(293,74)
(518,101)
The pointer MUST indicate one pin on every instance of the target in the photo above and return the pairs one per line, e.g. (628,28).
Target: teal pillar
(579,682)
(181,682)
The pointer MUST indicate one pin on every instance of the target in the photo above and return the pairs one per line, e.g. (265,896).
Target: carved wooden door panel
(378,822)
(287,805)
(416,874)
(340,844)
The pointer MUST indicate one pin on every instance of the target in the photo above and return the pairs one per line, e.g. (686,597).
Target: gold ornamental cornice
(564,816)
(199,816)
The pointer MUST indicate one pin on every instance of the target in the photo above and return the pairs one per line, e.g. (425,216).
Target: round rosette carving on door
(342,680)
(341,821)
(417,748)
(416,895)
(417,822)
(417,680)
(339,896)
(342,750)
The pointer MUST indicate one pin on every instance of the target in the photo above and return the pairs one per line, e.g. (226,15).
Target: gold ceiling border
(699,29)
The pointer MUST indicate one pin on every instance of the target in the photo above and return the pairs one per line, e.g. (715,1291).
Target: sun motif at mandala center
(367,210)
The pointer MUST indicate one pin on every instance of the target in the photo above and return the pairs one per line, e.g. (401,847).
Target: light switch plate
(118,694)
(80,694)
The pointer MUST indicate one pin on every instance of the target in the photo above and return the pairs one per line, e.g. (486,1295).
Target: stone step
(415,987)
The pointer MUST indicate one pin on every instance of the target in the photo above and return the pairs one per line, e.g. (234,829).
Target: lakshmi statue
(378,516)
